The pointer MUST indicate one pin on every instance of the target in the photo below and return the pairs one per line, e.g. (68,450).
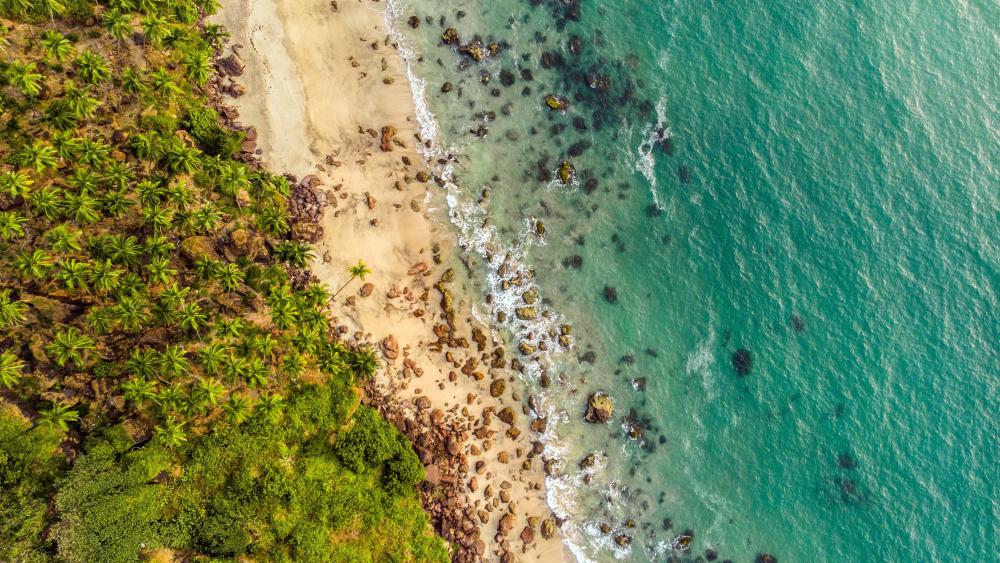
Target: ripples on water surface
(827,202)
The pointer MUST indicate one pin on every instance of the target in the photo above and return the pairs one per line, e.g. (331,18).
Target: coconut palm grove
(170,386)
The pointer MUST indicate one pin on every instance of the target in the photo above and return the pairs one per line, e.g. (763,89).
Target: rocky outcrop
(599,408)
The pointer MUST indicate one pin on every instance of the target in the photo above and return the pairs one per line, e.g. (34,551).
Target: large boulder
(198,247)
(599,408)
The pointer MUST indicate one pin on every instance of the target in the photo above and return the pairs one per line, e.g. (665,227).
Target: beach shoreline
(330,102)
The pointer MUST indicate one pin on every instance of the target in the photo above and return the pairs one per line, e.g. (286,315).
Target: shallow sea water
(829,202)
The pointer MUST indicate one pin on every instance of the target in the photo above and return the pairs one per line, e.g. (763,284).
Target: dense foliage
(169,373)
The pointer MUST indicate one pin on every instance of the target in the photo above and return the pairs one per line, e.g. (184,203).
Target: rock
(414,22)
(423,403)
(231,65)
(566,172)
(766,558)
(526,348)
(742,362)
(366,289)
(556,103)
(589,461)
(506,77)
(247,243)
(390,348)
(623,540)
(370,200)
(527,535)
(48,310)
(497,387)
(388,134)
(610,294)
(474,50)
(599,408)
(446,87)
(432,474)
(450,36)
(548,528)
(197,248)
(423,177)
(526,313)
(507,415)
(307,231)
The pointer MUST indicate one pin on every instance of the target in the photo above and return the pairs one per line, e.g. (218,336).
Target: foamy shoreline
(321,84)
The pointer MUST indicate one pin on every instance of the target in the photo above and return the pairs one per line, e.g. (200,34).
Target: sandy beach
(328,97)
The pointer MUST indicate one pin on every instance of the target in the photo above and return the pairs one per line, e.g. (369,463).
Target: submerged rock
(610,294)
(742,361)
(599,408)
(766,558)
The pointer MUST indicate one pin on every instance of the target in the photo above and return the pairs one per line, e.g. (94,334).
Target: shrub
(203,124)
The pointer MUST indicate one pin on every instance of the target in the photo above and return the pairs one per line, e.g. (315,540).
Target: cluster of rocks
(306,204)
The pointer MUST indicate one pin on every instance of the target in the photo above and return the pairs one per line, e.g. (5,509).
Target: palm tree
(143,363)
(58,416)
(63,239)
(53,7)
(270,407)
(116,203)
(124,250)
(12,313)
(273,220)
(156,28)
(357,271)
(10,369)
(82,179)
(92,67)
(57,47)
(159,218)
(73,273)
(11,225)
(231,276)
(229,328)
(132,81)
(37,155)
(47,202)
(214,35)
(163,84)
(170,397)
(71,346)
(192,318)
(101,319)
(174,294)
(237,409)
(16,183)
(211,358)
(173,361)
(170,433)
(79,100)
(150,192)
(24,77)
(264,346)
(206,219)
(159,270)
(293,364)
(82,207)
(257,373)
(199,67)
(104,276)
(316,295)
(208,392)
(138,390)
(34,264)
(131,312)
(296,253)
(364,363)
(182,159)
(118,24)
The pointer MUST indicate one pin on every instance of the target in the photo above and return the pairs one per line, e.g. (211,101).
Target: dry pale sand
(316,81)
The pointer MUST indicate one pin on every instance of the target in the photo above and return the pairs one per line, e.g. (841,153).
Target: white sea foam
(645,154)
(476,235)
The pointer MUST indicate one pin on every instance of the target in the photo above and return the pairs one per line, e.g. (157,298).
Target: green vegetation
(169,384)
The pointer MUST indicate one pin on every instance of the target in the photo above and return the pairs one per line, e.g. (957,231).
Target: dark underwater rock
(610,294)
(742,361)
(766,558)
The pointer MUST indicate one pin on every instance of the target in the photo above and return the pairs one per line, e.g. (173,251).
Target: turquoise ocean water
(828,202)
